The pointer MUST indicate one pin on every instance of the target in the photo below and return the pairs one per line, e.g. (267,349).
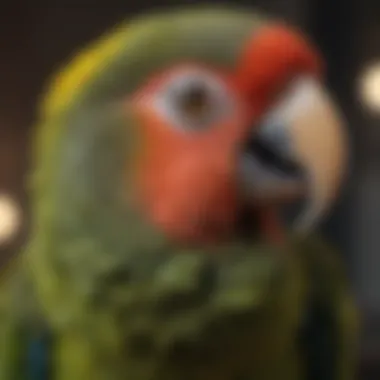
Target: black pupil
(195,102)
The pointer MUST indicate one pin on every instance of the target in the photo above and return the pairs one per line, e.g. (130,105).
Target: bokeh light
(10,218)
(370,87)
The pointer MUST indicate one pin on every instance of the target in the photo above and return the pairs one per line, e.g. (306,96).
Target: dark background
(36,36)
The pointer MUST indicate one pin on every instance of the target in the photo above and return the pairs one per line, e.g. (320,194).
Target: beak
(299,150)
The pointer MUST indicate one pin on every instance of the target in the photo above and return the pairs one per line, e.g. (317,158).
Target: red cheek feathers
(186,182)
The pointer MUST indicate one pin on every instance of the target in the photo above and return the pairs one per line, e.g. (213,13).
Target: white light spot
(370,87)
(10,218)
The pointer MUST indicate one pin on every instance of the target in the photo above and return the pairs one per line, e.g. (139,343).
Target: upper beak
(303,129)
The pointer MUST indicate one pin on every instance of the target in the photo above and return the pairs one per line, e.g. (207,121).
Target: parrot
(164,154)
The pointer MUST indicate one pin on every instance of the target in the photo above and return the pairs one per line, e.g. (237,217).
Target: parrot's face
(220,146)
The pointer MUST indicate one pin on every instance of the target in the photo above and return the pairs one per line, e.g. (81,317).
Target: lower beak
(299,150)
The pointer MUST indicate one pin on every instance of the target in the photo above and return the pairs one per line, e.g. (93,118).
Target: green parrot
(165,152)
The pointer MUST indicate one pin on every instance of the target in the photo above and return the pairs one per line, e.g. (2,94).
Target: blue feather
(38,361)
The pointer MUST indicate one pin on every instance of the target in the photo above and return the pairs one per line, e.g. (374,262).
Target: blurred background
(36,37)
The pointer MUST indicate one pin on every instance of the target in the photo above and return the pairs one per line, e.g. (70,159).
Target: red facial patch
(269,60)
(187,181)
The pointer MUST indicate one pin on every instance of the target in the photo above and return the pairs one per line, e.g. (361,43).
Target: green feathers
(80,185)
(121,300)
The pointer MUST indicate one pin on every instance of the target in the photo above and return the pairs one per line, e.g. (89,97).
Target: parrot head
(202,123)
(227,116)
(224,147)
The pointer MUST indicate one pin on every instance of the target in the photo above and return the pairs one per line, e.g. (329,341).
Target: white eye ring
(216,100)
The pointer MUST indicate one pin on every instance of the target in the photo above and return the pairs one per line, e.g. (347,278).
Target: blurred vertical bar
(332,25)
(346,33)
(368,215)
(17,78)
(367,243)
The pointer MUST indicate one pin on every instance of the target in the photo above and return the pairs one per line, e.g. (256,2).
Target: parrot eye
(194,101)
